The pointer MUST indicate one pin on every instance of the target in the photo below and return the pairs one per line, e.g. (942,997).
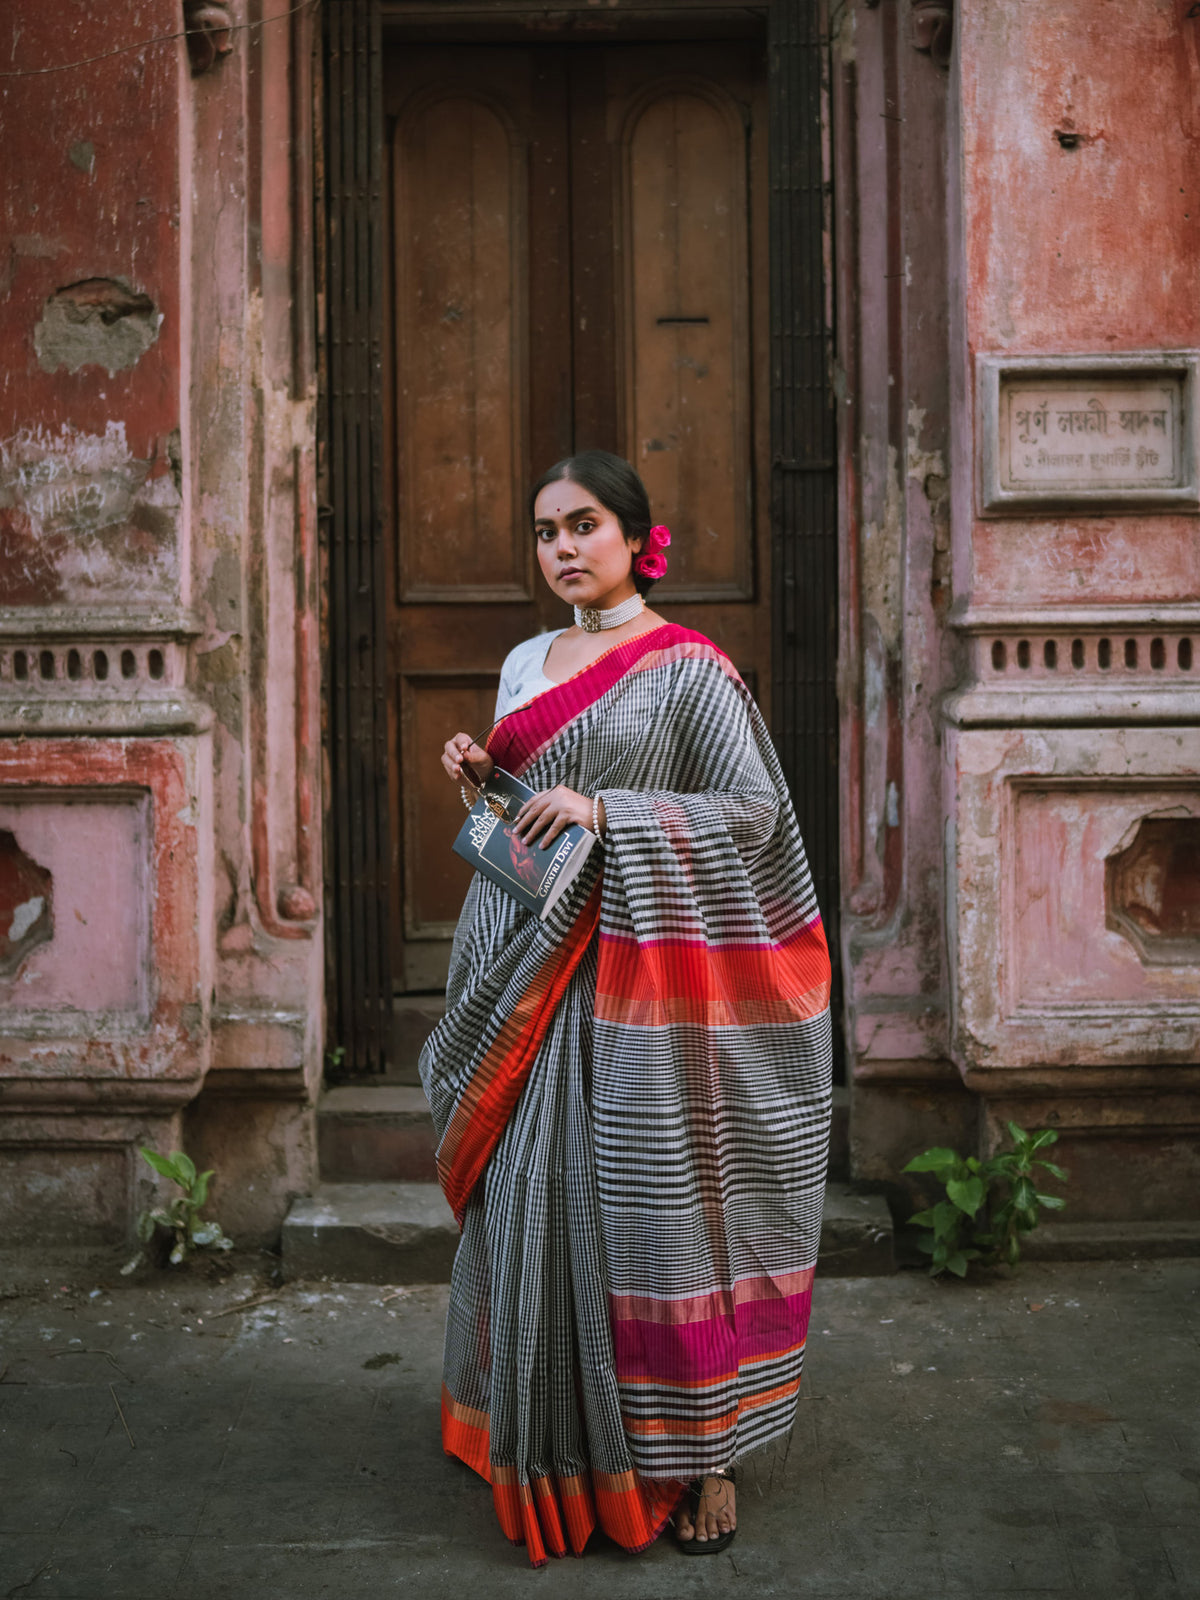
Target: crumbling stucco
(882,594)
(81,516)
(101,322)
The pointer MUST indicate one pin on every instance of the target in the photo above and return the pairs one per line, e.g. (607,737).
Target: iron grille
(358,854)
(803,452)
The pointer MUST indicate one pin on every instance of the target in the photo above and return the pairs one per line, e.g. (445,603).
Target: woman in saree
(631,1095)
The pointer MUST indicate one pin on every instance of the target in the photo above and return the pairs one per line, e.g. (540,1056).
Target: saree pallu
(632,1103)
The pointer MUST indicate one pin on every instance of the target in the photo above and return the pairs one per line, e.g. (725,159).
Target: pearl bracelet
(466,799)
(596,816)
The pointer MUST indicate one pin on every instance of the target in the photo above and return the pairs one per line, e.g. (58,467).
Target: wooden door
(578,244)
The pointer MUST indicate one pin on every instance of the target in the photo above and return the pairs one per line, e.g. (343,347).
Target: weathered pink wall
(157,606)
(989,973)
(890,103)
(1078,234)
(89,306)
(97,959)
(1092,248)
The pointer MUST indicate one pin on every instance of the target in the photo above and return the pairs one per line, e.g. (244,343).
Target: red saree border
(662,982)
(520,738)
(487,1102)
(551,1514)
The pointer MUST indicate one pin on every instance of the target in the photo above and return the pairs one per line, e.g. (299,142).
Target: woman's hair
(615,485)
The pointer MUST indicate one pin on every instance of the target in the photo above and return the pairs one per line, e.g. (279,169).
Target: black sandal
(706,1547)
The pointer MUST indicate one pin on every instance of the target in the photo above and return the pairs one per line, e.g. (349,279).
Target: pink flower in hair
(651,563)
(651,566)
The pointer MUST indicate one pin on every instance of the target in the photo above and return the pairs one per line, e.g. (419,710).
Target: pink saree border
(520,738)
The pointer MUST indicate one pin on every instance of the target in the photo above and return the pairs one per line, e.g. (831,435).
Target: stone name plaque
(1098,432)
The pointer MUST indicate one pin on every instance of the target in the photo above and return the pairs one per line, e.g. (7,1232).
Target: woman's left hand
(552,810)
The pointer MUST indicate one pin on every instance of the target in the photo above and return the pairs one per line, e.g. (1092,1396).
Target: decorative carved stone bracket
(208,28)
(933,29)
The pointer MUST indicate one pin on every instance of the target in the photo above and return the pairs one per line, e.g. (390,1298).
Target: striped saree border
(554,1514)
(486,1103)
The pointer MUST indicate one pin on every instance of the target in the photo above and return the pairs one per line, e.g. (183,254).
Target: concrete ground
(188,1439)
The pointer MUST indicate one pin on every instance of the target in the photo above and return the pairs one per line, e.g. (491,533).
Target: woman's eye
(585,526)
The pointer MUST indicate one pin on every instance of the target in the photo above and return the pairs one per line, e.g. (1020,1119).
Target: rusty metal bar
(358,857)
(803,449)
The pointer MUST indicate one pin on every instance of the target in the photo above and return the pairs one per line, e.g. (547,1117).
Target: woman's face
(583,553)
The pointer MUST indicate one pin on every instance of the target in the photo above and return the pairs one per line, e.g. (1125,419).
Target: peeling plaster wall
(890,110)
(1090,248)
(89,309)
(251,437)
(1072,721)
(1038,198)
(157,594)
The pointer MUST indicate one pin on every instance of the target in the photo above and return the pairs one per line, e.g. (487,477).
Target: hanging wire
(162,38)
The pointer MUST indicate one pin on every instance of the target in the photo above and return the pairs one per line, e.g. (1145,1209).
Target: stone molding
(23,623)
(1102,664)
(259,1054)
(97,671)
(149,716)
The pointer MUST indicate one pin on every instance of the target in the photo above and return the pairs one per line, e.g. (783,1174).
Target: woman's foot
(708,1513)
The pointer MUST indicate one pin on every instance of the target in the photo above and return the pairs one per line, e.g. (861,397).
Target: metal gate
(804,534)
(358,834)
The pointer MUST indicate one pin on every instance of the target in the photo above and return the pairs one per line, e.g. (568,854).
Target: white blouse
(521,676)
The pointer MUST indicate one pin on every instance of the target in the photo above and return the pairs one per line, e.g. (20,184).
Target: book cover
(535,877)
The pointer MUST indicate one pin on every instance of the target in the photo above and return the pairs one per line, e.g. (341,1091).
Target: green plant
(182,1217)
(973,1223)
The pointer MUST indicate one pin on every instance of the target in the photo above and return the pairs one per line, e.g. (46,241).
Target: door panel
(461,349)
(687,346)
(558,214)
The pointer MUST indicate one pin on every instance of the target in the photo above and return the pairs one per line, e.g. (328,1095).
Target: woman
(632,1096)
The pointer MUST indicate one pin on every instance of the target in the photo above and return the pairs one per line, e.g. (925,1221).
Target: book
(535,877)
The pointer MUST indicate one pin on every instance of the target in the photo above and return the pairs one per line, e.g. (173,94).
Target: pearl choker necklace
(592,621)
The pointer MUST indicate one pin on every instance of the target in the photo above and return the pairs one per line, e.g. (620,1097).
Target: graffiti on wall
(82,518)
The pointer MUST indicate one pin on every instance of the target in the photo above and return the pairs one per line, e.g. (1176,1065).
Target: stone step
(1111,1241)
(414,1018)
(856,1234)
(405,1233)
(382,1133)
(375,1133)
(370,1233)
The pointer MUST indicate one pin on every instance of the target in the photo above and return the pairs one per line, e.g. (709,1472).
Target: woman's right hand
(460,750)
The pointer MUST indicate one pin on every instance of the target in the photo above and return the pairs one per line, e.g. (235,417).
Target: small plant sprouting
(182,1217)
(968,1225)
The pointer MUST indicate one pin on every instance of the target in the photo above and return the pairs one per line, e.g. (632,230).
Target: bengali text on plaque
(1064,435)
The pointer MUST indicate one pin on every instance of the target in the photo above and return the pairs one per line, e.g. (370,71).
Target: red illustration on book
(525,863)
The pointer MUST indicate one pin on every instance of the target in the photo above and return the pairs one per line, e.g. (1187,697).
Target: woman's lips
(572,572)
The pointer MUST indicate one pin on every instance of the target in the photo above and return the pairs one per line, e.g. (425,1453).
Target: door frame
(352,212)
